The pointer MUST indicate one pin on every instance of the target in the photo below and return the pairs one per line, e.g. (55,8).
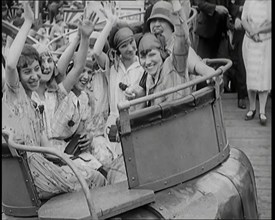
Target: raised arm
(109,13)
(182,41)
(17,46)
(86,28)
(67,55)
(53,30)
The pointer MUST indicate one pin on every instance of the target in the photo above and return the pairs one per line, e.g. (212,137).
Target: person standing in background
(53,7)
(211,26)
(256,20)
(235,9)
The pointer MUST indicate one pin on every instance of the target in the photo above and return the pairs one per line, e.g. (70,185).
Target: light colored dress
(49,179)
(98,94)
(69,119)
(257,55)
(50,103)
(129,77)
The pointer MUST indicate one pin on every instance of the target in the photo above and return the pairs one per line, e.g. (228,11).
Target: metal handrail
(228,63)
(64,157)
(13,30)
(193,16)
(99,23)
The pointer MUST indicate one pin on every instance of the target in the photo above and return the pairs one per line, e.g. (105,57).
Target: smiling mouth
(149,67)
(34,83)
(46,72)
(84,83)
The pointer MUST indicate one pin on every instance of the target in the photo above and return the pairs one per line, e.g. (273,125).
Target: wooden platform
(255,141)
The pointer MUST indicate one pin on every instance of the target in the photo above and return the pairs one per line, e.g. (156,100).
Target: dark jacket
(210,23)
(234,10)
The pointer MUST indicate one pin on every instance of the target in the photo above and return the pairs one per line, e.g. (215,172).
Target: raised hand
(87,25)
(109,11)
(28,13)
(176,5)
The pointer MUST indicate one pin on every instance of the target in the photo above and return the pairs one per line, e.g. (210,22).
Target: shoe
(242,103)
(263,118)
(250,115)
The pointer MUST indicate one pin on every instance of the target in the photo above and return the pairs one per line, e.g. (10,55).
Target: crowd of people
(72,101)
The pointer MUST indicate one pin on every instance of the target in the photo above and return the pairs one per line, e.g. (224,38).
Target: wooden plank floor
(255,141)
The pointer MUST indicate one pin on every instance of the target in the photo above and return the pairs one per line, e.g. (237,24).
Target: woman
(256,20)
(23,75)
(57,30)
(54,84)
(163,71)
(125,67)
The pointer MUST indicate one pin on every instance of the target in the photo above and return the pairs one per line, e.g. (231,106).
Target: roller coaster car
(179,166)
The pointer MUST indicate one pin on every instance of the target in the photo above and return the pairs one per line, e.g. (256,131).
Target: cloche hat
(161,9)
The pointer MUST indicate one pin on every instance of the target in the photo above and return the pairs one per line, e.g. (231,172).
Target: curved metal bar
(219,71)
(59,37)
(194,14)
(12,31)
(55,152)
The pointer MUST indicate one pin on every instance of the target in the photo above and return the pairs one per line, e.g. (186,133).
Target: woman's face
(47,66)
(160,26)
(84,78)
(30,76)
(151,61)
(128,49)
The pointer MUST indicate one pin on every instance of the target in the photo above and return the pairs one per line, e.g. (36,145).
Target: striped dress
(257,55)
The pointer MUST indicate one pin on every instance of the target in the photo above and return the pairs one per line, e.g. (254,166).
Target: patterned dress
(257,55)
(49,178)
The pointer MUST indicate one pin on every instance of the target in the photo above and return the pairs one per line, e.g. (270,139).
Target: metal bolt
(129,158)
(133,178)
(160,208)
(165,183)
(202,168)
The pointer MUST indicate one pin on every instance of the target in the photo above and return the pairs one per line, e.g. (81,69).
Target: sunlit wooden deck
(255,141)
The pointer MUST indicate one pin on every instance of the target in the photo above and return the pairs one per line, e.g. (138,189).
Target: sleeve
(182,43)
(245,9)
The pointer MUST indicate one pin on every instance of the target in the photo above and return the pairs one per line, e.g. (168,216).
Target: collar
(134,65)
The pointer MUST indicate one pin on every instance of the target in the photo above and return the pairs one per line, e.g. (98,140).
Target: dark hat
(161,9)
